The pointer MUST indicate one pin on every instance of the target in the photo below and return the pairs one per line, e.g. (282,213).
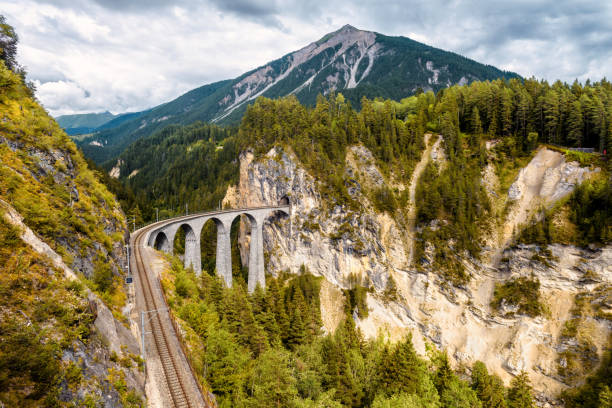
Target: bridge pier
(224,253)
(193,256)
(256,257)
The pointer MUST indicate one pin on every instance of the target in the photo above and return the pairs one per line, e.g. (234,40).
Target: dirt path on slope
(416,174)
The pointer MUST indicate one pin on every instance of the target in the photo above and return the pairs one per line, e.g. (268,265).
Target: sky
(130,55)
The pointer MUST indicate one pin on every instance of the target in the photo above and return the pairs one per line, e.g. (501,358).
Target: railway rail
(160,329)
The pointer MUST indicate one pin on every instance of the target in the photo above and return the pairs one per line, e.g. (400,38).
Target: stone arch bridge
(162,236)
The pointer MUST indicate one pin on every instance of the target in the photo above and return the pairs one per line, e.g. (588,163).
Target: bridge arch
(284,200)
(186,239)
(208,246)
(161,242)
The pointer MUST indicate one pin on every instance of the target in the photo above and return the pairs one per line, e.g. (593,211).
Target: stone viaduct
(162,237)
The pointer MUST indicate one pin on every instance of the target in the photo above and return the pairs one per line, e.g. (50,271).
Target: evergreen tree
(8,45)
(575,125)
(519,394)
(390,293)
(298,326)
(227,365)
(476,128)
(400,401)
(263,311)
(605,398)
(402,371)
(273,383)
(489,389)
(551,116)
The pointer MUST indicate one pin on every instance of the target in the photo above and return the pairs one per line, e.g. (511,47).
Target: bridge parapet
(162,237)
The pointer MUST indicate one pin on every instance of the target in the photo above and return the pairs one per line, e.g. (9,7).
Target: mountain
(354,62)
(63,335)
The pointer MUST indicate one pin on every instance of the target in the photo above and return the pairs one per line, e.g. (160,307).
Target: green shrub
(102,275)
(185,285)
(523,292)
(384,200)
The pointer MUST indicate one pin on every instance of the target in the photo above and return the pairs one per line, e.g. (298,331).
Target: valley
(367,221)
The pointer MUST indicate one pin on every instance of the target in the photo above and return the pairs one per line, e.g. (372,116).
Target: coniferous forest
(520,114)
(267,350)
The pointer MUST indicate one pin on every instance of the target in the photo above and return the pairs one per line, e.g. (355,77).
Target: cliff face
(334,242)
(331,242)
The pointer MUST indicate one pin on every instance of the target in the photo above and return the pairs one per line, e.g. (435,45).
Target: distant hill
(355,62)
(85,123)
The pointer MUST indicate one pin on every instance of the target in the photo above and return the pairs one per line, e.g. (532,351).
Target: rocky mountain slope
(339,244)
(64,337)
(355,62)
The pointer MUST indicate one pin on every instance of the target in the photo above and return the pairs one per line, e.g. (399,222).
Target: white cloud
(124,56)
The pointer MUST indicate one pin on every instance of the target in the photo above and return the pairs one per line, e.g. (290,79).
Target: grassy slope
(42,313)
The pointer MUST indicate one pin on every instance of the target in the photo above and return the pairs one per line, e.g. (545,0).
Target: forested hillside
(266,349)
(520,115)
(83,123)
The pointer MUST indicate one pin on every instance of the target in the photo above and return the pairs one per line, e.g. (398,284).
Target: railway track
(174,376)
(170,353)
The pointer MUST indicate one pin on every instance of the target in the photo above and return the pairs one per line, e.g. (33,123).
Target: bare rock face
(361,162)
(95,362)
(547,177)
(333,242)
(545,180)
(117,336)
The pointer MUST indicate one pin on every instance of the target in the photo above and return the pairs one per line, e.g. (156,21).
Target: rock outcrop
(334,242)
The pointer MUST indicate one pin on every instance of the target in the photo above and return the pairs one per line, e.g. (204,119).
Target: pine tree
(489,389)
(263,310)
(605,398)
(217,288)
(575,125)
(8,45)
(297,328)
(273,380)
(390,293)
(551,116)
(458,394)
(402,371)
(226,365)
(275,301)
(476,128)
(519,394)
(506,111)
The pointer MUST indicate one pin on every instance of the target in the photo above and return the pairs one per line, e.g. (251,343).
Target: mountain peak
(348,27)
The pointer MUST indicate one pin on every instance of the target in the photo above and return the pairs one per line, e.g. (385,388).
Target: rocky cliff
(335,242)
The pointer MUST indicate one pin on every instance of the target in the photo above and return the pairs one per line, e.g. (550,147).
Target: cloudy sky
(129,55)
